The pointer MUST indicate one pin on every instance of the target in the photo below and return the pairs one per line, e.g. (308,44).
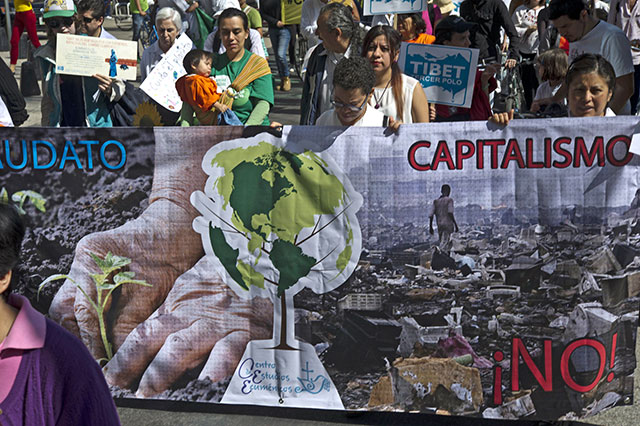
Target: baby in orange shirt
(198,90)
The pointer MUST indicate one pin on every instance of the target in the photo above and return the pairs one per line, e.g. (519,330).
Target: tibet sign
(447,74)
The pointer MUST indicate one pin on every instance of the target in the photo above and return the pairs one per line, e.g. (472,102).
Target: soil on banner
(78,201)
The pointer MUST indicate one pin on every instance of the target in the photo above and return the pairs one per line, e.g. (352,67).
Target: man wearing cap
(91,16)
(69,100)
(454,31)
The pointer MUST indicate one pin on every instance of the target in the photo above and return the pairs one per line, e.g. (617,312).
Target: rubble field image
(529,313)
(439,320)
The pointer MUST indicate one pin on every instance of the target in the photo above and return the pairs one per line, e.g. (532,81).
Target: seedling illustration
(21,197)
(111,277)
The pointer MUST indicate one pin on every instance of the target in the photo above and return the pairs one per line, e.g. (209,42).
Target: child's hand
(220,107)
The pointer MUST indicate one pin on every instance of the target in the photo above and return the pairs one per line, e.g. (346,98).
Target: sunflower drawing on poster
(278,219)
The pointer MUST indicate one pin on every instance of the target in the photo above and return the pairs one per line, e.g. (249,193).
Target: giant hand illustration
(200,319)
(188,312)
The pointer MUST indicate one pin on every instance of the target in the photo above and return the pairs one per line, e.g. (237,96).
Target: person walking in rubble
(442,209)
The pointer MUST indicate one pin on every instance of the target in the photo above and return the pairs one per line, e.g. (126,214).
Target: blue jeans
(138,22)
(280,41)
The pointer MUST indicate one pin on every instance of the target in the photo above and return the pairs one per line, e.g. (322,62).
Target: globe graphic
(275,218)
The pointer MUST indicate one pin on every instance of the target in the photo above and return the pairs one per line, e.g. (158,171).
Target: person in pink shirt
(42,366)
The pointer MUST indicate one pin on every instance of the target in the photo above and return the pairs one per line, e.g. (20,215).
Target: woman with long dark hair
(243,77)
(395,94)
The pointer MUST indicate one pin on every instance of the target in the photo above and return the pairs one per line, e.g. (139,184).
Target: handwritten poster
(160,84)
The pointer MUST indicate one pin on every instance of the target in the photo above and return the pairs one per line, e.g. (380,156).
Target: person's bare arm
(453,219)
(192,7)
(489,72)
(555,99)
(419,105)
(622,92)
(142,12)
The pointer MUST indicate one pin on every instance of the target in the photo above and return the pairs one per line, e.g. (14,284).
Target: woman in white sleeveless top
(395,94)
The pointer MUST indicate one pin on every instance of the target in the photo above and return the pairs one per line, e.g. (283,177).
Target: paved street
(286,111)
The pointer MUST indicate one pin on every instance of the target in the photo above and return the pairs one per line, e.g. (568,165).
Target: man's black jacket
(489,16)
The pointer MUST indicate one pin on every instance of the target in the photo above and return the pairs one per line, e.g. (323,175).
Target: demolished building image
(532,314)
(416,306)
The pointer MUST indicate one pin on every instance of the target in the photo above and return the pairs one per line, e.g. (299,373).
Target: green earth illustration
(276,220)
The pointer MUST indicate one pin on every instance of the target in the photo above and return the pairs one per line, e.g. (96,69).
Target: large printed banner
(452,268)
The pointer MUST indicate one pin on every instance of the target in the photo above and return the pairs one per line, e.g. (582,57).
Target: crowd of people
(537,40)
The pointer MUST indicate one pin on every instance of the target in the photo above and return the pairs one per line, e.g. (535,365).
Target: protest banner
(447,74)
(160,84)
(270,258)
(87,56)
(380,7)
(291,11)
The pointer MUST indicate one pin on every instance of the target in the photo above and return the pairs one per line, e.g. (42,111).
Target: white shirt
(371,118)
(219,5)
(105,34)
(327,78)
(386,100)
(256,43)
(610,42)
(607,113)
(627,19)
(5,117)
(150,58)
(545,90)
(523,18)
(309,20)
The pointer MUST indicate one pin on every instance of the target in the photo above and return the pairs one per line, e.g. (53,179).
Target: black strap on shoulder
(432,13)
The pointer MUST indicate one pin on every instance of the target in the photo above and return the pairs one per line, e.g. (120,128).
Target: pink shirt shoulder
(28,332)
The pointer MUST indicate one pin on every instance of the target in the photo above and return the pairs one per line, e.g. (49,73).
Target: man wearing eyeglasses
(353,81)
(91,16)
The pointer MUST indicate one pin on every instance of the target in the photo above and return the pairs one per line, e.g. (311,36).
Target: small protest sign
(380,7)
(87,56)
(160,84)
(447,74)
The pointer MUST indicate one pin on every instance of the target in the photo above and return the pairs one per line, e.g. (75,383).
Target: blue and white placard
(447,74)
(380,7)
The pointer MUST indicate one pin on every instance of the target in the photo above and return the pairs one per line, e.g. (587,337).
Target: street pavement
(286,111)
